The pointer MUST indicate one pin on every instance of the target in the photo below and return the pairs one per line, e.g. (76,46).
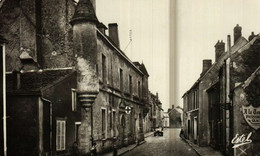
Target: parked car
(158,133)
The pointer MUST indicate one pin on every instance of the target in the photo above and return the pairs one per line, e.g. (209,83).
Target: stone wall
(42,29)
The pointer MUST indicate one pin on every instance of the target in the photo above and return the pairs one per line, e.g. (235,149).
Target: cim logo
(241,140)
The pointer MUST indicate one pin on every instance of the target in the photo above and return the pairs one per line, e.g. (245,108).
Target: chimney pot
(251,36)
(237,33)
(219,49)
(113,33)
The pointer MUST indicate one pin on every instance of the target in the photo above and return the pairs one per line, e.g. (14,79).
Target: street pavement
(168,145)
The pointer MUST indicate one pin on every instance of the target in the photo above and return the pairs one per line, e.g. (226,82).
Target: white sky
(149,22)
(200,24)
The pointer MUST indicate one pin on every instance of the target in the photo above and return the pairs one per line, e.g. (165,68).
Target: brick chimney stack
(251,36)
(205,66)
(113,33)
(219,49)
(237,33)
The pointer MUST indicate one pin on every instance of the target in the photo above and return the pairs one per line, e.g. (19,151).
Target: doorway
(195,129)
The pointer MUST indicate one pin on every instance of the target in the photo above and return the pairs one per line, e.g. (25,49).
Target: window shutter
(63,135)
(60,135)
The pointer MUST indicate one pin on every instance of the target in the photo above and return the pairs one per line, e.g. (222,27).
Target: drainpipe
(2,43)
(227,107)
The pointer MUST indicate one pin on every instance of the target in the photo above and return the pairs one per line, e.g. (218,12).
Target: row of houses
(68,84)
(222,106)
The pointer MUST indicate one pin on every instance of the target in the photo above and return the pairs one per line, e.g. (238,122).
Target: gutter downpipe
(4,102)
(227,107)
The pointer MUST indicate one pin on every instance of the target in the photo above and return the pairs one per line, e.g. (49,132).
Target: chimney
(172,106)
(228,43)
(16,80)
(206,65)
(102,28)
(113,33)
(219,49)
(237,33)
(251,36)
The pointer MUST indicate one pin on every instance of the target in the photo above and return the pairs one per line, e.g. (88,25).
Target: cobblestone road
(168,145)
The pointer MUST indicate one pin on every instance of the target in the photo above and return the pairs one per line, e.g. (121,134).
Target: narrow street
(168,145)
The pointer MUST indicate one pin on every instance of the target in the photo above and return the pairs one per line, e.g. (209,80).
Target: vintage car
(158,133)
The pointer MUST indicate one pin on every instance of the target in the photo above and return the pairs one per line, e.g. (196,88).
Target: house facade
(74,83)
(209,108)
(165,120)
(174,118)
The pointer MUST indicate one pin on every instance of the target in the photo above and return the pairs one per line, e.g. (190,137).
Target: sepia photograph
(130,77)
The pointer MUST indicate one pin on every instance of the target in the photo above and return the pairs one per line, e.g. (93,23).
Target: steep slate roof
(36,81)
(141,67)
(174,111)
(254,75)
(84,12)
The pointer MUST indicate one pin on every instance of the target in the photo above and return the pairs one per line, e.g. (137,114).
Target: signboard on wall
(252,116)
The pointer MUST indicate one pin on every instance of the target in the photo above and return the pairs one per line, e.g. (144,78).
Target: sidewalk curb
(149,135)
(142,142)
(190,145)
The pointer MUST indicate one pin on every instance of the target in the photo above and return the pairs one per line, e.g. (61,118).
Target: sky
(199,25)
(148,21)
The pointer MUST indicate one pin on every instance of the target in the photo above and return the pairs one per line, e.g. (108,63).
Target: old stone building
(69,83)
(155,111)
(174,118)
(165,120)
(211,114)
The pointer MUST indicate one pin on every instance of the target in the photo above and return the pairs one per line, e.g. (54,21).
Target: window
(74,99)
(60,135)
(103,115)
(77,125)
(114,123)
(139,89)
(104,68)
(130,84)
(121,79)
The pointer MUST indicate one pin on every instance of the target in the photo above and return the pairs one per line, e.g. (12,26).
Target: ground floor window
(77,125)
(114,123)
(60,135)
(104,122)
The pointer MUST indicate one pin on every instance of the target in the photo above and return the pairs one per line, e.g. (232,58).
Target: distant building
(217,106)
(155,111)
(165,119)
(174,117)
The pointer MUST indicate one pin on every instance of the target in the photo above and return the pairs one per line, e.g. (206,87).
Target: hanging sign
(252,116)
(127,109)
